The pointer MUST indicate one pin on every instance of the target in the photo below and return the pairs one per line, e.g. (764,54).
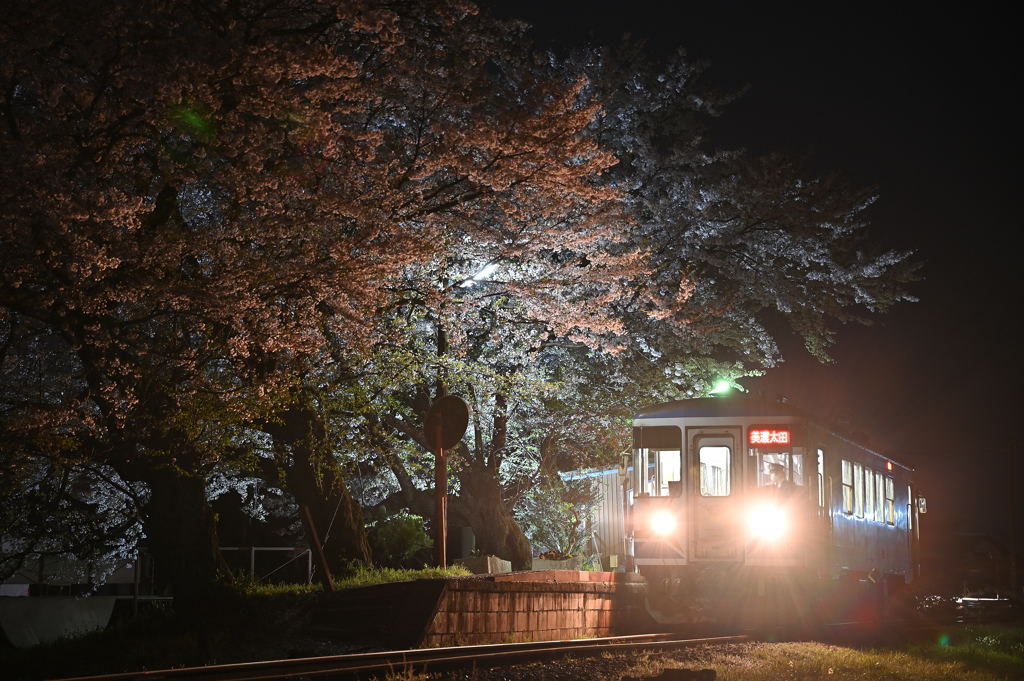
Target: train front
(726,514)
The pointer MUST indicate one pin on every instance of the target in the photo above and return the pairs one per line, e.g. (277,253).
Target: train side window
(890,501)
(847,487)
(869,495)
(715,464)
(879,497)
(858,490)
(821,478)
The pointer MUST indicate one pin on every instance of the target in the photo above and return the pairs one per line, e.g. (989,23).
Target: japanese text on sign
(769,437)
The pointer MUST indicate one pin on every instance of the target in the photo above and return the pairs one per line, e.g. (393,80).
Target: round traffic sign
(452,414)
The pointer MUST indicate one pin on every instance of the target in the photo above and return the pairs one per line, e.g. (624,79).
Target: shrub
(396,539)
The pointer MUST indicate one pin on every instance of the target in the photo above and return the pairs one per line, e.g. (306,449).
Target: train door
(715,497)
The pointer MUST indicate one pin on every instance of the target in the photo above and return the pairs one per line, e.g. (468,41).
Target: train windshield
(790,465)
(660,467)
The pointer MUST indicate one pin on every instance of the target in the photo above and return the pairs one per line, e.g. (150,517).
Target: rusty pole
(317,550)
(441,508)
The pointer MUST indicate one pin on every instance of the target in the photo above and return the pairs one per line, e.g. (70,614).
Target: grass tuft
(367,576)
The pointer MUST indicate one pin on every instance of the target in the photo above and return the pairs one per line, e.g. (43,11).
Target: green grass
(963,654)
(365,577)
(358,577)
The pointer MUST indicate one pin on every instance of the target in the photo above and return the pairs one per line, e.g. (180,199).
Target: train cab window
(715,465)
(858,490)
(890,501)
(847,487)
(660,467)
(793,464)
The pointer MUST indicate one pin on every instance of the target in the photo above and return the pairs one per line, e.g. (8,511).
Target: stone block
(454,622)
(485,565)
(466,622)
(574,564)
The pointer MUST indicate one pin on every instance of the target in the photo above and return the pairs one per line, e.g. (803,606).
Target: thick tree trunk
(480,504)
(312,475)
(182,537)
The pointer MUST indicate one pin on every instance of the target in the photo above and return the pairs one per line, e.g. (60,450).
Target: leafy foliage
(398,538)
(250,240)
(556,513)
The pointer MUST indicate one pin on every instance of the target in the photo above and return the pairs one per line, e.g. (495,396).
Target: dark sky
(917,103)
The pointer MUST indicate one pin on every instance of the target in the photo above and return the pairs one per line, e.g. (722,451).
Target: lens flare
(663,522)
(767,522)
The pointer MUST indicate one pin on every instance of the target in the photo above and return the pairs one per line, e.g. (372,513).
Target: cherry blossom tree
(264,236)
(670,299)
(203,197)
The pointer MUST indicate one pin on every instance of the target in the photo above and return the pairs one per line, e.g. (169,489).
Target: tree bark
(480,503)
(182,537)
(312,475)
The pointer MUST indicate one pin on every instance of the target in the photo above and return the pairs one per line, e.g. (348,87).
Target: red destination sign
(763,436)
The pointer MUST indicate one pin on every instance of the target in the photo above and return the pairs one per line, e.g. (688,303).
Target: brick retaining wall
(536,606)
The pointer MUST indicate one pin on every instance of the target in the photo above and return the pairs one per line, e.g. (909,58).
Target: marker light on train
(663,522)
(767,522)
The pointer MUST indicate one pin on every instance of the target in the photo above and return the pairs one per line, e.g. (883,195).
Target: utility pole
(440,497)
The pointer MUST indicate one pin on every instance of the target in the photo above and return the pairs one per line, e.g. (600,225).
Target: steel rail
(422,660)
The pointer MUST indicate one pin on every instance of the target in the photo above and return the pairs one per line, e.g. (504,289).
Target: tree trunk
(312,475)
(182,537)
(480,504)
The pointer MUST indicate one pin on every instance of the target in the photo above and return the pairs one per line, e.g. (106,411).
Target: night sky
(916,102)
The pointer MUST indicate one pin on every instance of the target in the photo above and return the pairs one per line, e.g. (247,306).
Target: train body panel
(736,498)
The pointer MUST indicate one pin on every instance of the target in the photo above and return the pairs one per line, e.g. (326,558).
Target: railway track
(415,661)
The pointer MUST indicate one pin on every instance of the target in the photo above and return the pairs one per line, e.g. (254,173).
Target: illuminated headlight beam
(663,522)
(768,522)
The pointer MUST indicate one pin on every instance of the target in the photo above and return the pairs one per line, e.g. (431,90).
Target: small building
(609,523)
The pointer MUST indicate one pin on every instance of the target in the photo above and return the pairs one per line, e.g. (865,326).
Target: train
(747,511)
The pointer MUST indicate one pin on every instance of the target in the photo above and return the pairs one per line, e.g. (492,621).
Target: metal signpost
(443,427)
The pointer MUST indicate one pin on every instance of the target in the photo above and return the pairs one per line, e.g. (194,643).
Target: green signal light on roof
(720,387)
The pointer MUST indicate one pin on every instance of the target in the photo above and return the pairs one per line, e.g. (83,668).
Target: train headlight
(663,522)
(768,522)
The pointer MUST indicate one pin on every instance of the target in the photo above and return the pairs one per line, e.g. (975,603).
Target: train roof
(739,405)
(734,405)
